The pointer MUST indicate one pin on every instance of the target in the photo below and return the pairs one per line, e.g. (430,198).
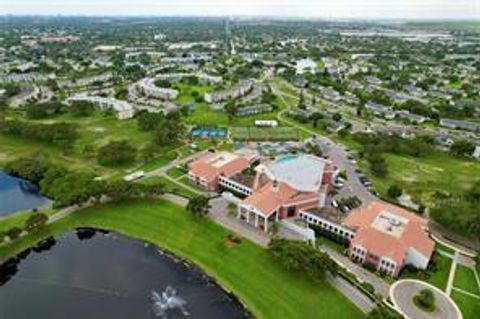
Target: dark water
(18,195)
(107,276)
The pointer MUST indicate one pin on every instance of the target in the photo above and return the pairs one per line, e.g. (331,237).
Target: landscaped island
(244,268)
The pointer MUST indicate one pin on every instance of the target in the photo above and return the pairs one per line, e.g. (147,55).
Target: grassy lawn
(469,306)
(422,177)
(96,131)
(176,172)
(204,115)
(465,280)
(252,133)
(444,248)
(437,278)
(170,187)
(268,289)
(18,219)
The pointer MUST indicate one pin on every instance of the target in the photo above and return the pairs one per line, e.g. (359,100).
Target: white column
(265,225)
(256,220)
(248,215)
(276,216)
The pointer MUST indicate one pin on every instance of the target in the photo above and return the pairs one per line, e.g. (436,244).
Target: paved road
(336,152)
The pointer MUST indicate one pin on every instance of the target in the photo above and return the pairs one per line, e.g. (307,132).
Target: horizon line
(291,17)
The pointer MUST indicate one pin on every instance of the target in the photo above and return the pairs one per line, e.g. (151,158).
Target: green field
(282,133)
(469,306)
(170,187)
(437,278)
(465,280)
(94,131)
(268,289)
(422,177)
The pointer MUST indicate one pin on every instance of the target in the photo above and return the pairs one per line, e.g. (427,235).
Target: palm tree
(198,206)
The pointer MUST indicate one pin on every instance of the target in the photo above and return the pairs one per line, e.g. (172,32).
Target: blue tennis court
(204,133)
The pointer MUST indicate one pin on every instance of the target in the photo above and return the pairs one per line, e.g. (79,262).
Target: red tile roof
(212,165)
(268,198)
(381,238)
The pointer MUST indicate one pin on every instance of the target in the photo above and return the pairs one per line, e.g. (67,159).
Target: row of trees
(68,187)
(58,134)
(459,213)
(33,223)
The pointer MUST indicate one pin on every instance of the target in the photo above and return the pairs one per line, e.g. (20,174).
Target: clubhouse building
(382,236)
(272,190)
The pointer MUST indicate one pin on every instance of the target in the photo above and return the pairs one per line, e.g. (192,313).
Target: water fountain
(168,300)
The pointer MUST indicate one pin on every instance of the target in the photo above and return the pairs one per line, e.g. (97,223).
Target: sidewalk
(380,285)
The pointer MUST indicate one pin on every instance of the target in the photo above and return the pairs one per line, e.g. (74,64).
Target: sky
(371,9)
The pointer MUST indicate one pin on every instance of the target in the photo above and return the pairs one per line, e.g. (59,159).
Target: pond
(94,274)
(18,195)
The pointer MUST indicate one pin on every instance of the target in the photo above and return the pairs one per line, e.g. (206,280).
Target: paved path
(451,275)
(403,291)
(352,293)
(219,214)
(363,275)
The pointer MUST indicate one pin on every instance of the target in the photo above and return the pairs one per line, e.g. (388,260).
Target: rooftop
(302,172)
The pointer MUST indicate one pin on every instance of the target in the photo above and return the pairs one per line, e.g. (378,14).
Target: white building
(305,65)
(123,109)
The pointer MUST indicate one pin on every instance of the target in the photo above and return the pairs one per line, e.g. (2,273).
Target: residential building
(238,90)
(305,66)
(123,109)
(457,124)
(147,87)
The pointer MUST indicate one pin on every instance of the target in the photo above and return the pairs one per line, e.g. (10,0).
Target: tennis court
(264,133)
(205,133)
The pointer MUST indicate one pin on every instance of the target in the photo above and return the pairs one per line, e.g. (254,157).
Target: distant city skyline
(353,9)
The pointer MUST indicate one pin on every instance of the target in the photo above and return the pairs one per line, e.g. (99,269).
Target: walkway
(363,275)
(219,212)
(352,293)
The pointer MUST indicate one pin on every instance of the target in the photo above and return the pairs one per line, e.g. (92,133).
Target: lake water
(18,195)
(107,276)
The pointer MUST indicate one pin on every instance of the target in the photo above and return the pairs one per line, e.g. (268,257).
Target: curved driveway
(403,291)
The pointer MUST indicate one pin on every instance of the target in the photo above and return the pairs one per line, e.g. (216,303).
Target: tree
(116,153)
(14,232)
(462,148)
(378,165)
(82,108)
(198,206)
(31,168)
(394,191)
(35,221)
(302,257)
(383,313)
(147,121)
(425,300)
(43,110)
(337,117)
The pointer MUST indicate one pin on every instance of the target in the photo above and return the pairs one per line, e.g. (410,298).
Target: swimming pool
(286,158)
